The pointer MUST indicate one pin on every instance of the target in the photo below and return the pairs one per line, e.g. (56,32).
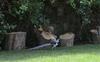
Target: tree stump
(96,35)
(94,38)
(67,40)
(15,41)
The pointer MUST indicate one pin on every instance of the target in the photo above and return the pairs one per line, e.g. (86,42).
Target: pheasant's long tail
(40,46)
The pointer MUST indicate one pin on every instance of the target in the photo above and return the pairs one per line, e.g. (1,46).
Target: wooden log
(15,41)
(67,40)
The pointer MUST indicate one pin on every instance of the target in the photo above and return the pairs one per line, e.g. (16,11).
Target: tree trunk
(15,41)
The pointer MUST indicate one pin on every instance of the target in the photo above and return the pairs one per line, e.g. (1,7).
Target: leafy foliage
(18,12)
(83,8)
(37,12)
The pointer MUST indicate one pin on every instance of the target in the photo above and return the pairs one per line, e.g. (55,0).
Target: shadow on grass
(25,55)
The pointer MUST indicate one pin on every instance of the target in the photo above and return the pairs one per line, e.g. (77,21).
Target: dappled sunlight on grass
(86,53)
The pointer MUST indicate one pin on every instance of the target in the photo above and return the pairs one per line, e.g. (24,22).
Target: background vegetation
(25,15)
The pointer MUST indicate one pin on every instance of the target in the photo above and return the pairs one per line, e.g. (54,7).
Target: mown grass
(85,53)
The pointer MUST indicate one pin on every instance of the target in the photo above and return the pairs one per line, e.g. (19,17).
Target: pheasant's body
(48,36)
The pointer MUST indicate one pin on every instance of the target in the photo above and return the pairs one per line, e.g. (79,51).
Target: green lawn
(85,53)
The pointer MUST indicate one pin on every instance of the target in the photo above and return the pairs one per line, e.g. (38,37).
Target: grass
(85,53)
